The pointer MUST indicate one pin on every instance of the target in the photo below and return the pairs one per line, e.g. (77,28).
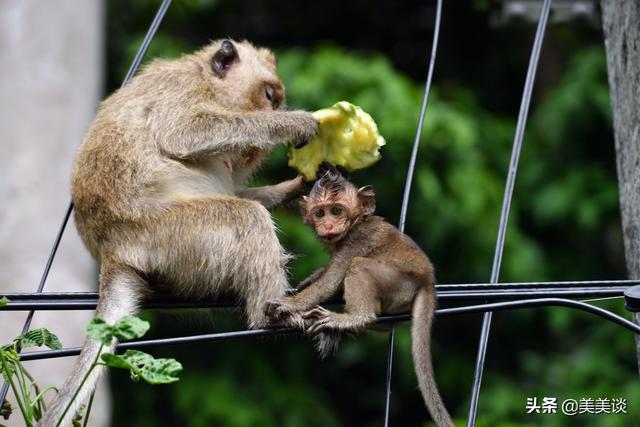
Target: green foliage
(29,397)
(38,338)
(143,365)
(139,364)
(4,301)
(125,329)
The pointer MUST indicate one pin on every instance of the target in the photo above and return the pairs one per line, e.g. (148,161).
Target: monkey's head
(334,205)
(241,77)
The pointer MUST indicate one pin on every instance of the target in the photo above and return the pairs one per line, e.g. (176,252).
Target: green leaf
(38,338)
(130,327)
(145,366)
(127,328)
(100,331)
(4,301)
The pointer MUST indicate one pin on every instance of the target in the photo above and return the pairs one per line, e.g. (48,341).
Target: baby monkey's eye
(336,210)
(319,213)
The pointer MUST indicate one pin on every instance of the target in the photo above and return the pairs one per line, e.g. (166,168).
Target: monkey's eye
(223,58)
(270,93)
(336,210)
(319,213)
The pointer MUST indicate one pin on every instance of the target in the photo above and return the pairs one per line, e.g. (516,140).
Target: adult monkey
(159,189)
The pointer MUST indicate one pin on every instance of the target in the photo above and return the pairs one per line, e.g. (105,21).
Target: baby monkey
(382,271)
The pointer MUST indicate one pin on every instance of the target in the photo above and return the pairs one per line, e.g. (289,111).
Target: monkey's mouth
(331,238)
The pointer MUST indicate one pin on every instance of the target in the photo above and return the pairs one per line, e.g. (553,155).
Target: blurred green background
(564,222)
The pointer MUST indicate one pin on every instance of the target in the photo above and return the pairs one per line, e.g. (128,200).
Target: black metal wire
(54,250)
(441,289)
(498,306)
(452,293)
(407,191)
(506,205)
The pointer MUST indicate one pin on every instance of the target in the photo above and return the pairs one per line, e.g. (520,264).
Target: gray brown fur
(379,269)
(159,187)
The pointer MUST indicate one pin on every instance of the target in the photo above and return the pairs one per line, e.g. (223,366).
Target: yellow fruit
(348,137)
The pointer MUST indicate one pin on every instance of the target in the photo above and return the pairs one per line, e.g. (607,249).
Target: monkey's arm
(320,290)
(205,133)
(273,195)
(309,280)
(362,296)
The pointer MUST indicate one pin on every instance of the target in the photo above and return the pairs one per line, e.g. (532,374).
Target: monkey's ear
(223,58)
(367,199)
(303,206)
(304,202)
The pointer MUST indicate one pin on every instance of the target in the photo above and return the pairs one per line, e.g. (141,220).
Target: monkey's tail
(118,299)
(422,316)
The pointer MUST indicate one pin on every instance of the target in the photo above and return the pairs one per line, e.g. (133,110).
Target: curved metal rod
(480,308)
(54,250)
(407,189)
(506,206)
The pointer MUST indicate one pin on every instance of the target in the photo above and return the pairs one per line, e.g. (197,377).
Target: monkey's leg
(210,246)
(120,292)
(273,195)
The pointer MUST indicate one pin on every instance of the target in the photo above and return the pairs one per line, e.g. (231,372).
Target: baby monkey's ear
(367,199)
(303,207)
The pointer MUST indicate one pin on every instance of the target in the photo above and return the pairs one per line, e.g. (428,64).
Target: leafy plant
(30,398)
(138,363)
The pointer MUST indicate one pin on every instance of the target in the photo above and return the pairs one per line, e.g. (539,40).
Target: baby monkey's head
(334,205)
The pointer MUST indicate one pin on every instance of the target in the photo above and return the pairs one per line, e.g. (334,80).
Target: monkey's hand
(294,188)
(308,129)
(280,309)
(329,321)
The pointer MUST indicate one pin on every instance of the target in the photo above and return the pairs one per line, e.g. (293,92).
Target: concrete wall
(51,61)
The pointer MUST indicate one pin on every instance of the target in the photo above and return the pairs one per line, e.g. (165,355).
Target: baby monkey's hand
(322,320)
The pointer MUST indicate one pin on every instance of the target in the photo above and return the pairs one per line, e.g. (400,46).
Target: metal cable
(407,191)
(132,69)
(498,306)
(442,289)
(89,300)
(506,205)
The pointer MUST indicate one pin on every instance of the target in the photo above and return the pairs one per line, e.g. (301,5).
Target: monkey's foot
(279,309)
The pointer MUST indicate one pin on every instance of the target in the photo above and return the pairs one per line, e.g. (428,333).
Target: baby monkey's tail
(422,313)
